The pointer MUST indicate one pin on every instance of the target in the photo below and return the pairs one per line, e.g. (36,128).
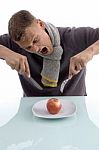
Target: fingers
(15,67)
(20,65)
(27,70)
(24,67)
(78,62)
(75,67)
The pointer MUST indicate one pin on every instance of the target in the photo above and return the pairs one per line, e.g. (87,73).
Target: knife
(33,82)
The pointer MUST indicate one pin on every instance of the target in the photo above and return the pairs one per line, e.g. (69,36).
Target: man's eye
(29,47)
(35,40)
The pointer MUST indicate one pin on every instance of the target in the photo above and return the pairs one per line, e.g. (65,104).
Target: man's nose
(35,48)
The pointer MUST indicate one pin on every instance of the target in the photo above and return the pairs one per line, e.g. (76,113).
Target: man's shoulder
(5,40)
(78,32)
(64,29)
(72,29)
(4,36)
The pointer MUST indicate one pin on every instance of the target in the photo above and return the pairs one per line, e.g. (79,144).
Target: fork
(63,84)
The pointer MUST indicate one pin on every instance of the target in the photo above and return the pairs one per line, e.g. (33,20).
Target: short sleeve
(85,36)
(5,40)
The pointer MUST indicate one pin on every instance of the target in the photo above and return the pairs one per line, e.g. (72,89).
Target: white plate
(68,109)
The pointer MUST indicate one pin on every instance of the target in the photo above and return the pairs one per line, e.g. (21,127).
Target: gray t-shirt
(73,41)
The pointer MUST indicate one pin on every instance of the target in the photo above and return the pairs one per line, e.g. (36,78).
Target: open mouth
(44,51)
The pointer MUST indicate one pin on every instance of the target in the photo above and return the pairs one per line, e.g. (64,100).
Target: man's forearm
(79,61)
(95,48)
(91,51)
(4,52)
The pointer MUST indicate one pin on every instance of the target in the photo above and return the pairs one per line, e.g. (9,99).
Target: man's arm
(95,48)
(79,61)
(14,60)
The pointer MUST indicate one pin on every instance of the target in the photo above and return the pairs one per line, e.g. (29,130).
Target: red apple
(53,106)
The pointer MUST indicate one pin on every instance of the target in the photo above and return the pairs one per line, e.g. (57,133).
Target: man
(48,54)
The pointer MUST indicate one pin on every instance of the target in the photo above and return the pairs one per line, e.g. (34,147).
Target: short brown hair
(18,23)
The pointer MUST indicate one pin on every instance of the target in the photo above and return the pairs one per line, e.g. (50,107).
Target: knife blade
(33,82)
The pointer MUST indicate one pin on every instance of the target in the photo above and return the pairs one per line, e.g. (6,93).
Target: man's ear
(41,23)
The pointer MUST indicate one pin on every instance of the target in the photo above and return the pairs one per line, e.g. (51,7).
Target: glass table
(21,130)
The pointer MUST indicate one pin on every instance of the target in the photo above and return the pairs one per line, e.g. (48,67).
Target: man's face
(36,40)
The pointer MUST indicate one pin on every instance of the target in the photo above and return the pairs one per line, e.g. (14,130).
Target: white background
(61,13)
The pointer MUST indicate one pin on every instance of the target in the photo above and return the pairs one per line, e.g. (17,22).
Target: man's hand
(79,61)
(18,62)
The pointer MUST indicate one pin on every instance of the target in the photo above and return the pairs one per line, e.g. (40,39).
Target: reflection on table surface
(19,129)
